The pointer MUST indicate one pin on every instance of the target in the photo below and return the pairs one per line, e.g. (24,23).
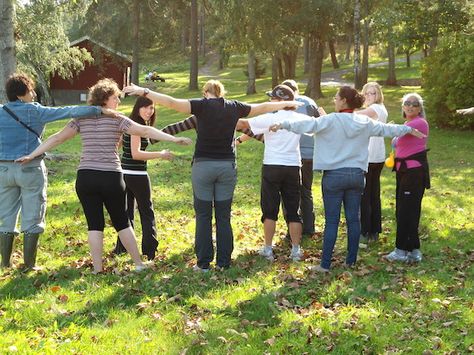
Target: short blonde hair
(101,91)
(214,87)
(378,91)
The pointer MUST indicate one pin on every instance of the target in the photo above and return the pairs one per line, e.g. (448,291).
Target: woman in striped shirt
(99,180)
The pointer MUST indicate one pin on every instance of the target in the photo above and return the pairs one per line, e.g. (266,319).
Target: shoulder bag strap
(18,120)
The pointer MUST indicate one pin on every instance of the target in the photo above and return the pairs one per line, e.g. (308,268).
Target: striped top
(191,123)
(100,141)
(128,163)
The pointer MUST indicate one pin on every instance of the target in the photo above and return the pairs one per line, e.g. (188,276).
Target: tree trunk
(202,40)
(136,42)
(347,57)
(313,89)
(306,54)
(275,80)
(407,53)
(357,74)
(392,78)
(7,45)
(251,70)
(364,74)
(185,33)
(193,73)
(332,51)
(286,61)
(280,68)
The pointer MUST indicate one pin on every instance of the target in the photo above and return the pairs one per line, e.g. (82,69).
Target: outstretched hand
(321,111)
(465,111)
(183,141)
(24,159)
(166,155)
(417,133)
(275,127)
(110,112)
(134,90)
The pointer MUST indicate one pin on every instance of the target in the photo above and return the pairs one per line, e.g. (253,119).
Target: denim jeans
(213,186)
(344,185)
(23,188)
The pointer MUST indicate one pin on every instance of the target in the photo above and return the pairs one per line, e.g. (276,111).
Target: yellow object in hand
(390,161)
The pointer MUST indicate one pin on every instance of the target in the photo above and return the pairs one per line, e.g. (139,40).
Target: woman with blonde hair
(214,174)
(99,180)
(370,207)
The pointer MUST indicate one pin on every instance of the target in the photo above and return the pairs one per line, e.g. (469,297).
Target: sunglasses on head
(411,103)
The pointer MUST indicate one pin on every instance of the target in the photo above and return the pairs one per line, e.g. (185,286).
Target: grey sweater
(341,140)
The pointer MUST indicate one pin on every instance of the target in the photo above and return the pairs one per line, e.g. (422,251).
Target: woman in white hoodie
(341,151)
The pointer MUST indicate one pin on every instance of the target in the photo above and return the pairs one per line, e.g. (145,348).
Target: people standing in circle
(413,177)
(23,187)
(135,175)
(340,150)
(370,207)
(214,174)
(99,180)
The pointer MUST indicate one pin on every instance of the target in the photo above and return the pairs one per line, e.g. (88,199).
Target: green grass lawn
(255,307)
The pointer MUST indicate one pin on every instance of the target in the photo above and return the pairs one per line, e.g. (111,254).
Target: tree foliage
(42,43)
(449,81)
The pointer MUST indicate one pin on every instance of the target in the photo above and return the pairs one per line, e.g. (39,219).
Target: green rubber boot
(6,247)
(30,246)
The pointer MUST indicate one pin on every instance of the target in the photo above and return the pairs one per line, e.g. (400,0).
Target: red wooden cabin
(107,63)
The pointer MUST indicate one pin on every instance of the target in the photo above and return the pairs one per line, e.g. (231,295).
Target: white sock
(295,248)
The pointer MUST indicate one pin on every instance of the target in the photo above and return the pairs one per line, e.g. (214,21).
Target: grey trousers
(213,188)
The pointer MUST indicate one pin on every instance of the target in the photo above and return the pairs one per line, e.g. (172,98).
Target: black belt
(7,161)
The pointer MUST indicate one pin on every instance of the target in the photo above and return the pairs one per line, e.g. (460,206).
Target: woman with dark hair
(341,151)
(413,177)
(214,174)
(99,180)
(137,181)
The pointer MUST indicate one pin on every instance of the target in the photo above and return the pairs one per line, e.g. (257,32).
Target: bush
(448,78)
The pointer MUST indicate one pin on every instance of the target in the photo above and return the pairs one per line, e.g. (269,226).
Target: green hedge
(448,76)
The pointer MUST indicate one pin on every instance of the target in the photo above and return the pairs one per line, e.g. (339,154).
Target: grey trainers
(319,269)
(414,256)
(198,269)
(267,253)
(296,255)
(397,255)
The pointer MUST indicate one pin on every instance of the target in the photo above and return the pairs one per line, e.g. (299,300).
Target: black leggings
(97,189)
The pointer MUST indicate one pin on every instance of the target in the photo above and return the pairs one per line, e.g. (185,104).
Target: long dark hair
(142,101)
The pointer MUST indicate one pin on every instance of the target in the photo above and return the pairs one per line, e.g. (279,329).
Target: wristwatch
(146,91)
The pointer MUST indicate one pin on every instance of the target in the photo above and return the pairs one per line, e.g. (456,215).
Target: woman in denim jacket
(23,187)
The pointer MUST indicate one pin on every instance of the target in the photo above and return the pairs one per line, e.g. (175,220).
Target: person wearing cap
(309,108)
(280,172)
(214,174)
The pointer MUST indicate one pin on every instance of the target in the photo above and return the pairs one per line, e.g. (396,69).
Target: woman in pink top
(411,166)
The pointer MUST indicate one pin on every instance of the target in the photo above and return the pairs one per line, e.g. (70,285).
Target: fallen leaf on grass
(55,289)
(270,341)
(63,298)
(224,340)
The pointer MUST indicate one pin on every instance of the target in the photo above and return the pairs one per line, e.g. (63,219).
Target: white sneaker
(397,255)
(414,256)
(267,253)
(296,255)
